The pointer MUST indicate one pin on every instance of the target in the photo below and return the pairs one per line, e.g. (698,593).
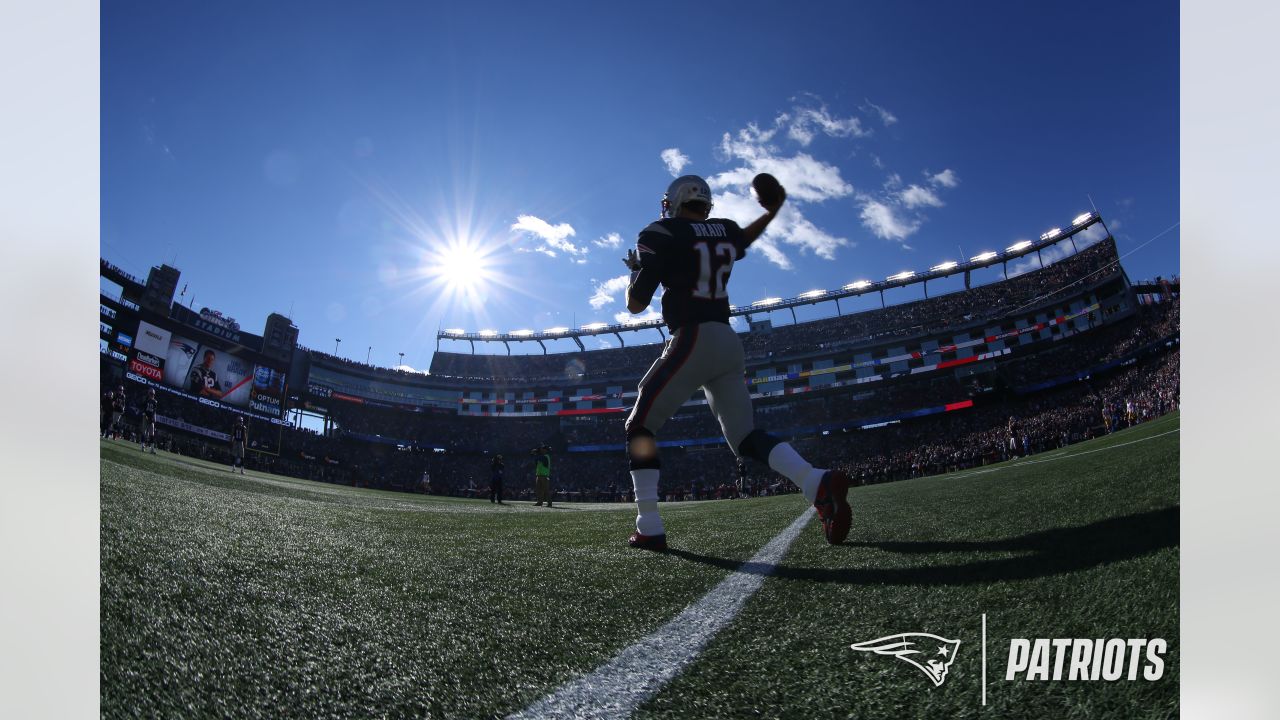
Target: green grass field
(263,596)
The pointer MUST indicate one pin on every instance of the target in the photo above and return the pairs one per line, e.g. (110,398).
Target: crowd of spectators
(445,429)
(984,302)
(1043,421)
(552,367)
(1150,324)
(326,358)
(786,413)
(1160,321)
(440,451)
(980,435)
(992,301)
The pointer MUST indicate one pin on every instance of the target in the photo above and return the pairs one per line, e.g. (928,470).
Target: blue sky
(385,170)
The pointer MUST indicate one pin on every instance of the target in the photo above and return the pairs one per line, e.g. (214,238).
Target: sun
(455,264)
(462,266)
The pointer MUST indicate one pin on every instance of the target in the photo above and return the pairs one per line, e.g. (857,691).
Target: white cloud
(915,196)
(886,117)
(806,178)
(742,209)
(892,212)
(749,144)
(1093,234)
(947,178)
(803,124)
(612,240)
(881,220)
(553,237)
(607,291)
(771,252)
(795,229)
(675,160)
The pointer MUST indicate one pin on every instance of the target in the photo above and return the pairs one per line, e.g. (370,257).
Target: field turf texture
(262,596)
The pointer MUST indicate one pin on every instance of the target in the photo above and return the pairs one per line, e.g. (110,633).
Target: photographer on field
(542,475)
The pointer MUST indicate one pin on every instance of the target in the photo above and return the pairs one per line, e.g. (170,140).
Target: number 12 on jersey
(713,265)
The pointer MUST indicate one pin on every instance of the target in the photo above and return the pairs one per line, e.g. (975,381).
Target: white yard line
(617,688)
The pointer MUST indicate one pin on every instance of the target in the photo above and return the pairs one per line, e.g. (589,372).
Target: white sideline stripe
(1065,456)
(617,688)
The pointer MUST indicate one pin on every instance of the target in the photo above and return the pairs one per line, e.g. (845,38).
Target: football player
(149,407)
(117,413)
(692,255)
(203,379)
(239,436)
(495,479)
(106,404)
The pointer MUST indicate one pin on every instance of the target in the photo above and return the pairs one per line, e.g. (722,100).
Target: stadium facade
(899,390)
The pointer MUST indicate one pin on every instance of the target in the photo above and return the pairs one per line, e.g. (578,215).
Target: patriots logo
(932,654)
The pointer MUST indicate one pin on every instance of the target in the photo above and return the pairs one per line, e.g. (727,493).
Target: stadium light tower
(368,355)
(336,342)
(401,360)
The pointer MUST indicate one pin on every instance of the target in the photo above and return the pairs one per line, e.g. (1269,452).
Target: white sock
(785,460)
(648,521)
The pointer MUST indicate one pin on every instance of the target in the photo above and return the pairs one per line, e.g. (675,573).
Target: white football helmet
(685,189)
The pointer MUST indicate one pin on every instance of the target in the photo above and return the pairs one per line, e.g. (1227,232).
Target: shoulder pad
(657,227)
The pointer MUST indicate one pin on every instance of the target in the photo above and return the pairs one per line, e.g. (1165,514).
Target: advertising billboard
(211,370)
(207,372)
(267,392)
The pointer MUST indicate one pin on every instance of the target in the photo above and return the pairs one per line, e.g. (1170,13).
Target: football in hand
(768,191)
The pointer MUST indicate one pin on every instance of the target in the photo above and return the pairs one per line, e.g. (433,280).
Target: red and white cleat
(648,542)
(833,506)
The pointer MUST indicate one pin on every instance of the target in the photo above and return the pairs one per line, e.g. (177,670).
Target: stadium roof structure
(812,297)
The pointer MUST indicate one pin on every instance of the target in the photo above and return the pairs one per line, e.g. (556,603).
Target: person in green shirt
(542,473)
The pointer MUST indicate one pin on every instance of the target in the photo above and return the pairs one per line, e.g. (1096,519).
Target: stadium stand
(1069,351)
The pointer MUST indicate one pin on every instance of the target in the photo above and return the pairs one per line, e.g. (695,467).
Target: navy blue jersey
(149,407)
(203,381)
(238,433)
(692,261)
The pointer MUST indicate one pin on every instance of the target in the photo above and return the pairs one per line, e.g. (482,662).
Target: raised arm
(771,196)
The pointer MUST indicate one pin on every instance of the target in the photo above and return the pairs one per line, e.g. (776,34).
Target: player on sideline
(107,403)
(495,479)
(149,421)
(239,436)
(692,256)
(117,413)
